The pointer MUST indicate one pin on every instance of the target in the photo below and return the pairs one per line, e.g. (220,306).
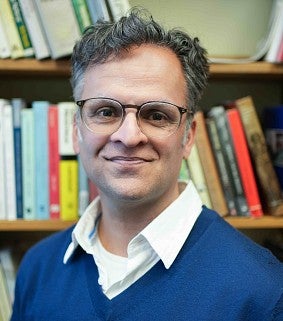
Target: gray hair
(105,40)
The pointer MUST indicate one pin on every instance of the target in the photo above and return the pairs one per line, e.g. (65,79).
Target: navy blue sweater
(218,275)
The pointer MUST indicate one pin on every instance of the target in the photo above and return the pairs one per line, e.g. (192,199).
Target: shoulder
(239,255)
(51,248)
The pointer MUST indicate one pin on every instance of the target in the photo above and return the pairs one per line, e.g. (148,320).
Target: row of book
(42,178)
(35,28)
(40,175)
(231,164)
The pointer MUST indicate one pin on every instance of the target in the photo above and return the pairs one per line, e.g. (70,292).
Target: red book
(244,162)
(54,158)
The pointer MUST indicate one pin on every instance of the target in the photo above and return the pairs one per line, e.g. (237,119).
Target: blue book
(40,111)
(18,104)
(83,189)
(28,163)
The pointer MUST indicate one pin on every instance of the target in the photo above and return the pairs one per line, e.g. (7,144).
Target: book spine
(219,115)
(40,116)
(28,164)
(209,166)
(118,8)
(244,162)
(82,14)
(22,29)
(69,188)
(83,188)
(197,176)
(9,157)
(35,29)
(61,34)
(6,306)
(260,156)
(221,165)
(5,51)
(13,36)
(53,154)
(3,210)
(68,163)
(18,104)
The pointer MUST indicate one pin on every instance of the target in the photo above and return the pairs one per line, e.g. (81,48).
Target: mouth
(123,160)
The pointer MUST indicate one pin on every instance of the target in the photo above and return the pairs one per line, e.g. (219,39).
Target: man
(142,250)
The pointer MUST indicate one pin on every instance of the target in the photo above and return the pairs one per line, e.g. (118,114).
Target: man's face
(127,165)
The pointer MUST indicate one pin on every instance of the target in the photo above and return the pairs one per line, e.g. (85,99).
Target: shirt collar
(166,234)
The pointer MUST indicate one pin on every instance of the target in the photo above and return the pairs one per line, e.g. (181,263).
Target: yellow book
(15,43)
(68,164)
(68,189)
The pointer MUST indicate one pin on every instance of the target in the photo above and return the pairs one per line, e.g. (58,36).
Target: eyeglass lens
(105,116)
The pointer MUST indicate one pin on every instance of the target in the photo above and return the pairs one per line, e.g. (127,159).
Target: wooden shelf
(266,222)
(33,67)
(61,68)
(34,226)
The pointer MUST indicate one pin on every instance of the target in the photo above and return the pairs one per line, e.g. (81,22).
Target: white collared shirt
(162,240)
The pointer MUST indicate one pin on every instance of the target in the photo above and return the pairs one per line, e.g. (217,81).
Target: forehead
(147,70)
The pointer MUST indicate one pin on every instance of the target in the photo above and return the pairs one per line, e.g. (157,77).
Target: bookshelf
(61,68)
(266,222)
(29,71)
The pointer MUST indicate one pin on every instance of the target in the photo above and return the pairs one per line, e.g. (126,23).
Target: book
(118,8)
(273,131)
(9,161)
(2,164)
(197,175)
(61,34)
(268,181)
(28,163)
(209,166)
(17,105)
(9,266)
(219,115)
(53,155)
(83,188)
(82,14)
(22,29)
(5,305)
(68,167)
(221,166)
(244,162)
(271,55)
(40,118)
(16,47)
(5,51)
(34,28)
(98,10)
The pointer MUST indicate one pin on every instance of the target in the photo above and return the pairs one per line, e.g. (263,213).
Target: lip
(126,160)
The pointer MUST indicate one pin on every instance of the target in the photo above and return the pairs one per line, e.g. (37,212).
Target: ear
(75,136)
(190,138)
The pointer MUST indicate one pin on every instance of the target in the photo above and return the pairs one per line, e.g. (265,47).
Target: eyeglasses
(154,118)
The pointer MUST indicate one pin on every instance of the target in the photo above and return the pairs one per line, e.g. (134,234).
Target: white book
(118,8)
(5,51)
(9,162)
(66,111)
(35,29)
(197,175)
(60,25)
(2,169)
(271,55)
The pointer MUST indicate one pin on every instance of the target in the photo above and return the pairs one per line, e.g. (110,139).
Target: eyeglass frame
(182,111)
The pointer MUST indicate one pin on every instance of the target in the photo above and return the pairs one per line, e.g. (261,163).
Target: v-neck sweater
(218,275)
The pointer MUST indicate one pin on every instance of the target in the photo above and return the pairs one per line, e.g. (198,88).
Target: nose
(129,132)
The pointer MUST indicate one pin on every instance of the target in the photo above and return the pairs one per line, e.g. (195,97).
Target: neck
(121,222)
